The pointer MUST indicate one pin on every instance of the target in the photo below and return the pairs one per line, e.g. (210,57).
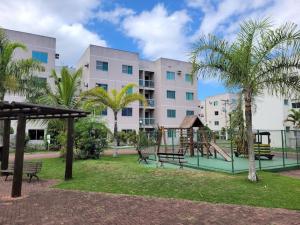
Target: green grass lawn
(124,175)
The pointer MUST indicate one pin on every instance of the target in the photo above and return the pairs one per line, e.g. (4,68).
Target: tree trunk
(252,176)
(116,138)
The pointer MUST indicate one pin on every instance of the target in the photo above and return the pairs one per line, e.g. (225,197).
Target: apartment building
(166,84)
(214,110)
(42,49)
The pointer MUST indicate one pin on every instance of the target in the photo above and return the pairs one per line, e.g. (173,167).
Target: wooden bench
(177,158)
(143,156)
(31,169)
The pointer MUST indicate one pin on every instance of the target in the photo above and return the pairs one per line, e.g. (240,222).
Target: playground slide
(221,151)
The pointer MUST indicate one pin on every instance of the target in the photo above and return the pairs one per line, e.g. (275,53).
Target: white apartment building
(166,84)
(42,49)
(214,110)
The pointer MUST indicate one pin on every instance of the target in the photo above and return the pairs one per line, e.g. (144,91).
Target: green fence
(274,149)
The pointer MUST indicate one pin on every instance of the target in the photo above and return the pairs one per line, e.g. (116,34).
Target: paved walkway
(43,205)
(30,156)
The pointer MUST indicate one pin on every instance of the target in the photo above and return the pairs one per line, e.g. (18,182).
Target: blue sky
(153,28)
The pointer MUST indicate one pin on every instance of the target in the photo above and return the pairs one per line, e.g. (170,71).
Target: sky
(153,28)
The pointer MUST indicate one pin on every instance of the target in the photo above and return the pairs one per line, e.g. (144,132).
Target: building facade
(214,110)
(167,85)
(42,49)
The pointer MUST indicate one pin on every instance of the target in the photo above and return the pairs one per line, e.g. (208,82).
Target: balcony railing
(147,121)
(146,83)
(150,103)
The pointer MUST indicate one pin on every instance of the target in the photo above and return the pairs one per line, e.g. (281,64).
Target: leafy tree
(90,138)
(294,117)
(261,58)
(98,98)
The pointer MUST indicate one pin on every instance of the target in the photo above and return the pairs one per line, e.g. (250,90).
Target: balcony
(147,122)
(146,83)
(150,103)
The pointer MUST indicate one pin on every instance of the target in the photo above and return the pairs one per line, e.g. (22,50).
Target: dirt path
(27,156)
(291,173)
(46,206)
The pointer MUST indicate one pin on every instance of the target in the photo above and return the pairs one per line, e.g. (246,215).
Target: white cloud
(224,16)
(114,16)
(63,20)
(158,33)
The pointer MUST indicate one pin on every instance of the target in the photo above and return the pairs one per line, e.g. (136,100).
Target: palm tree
(65,93)
(260,59)
(99,98)
(294,117)
(16,75)
(66,89)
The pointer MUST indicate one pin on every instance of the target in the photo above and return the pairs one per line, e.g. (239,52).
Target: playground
(192,145)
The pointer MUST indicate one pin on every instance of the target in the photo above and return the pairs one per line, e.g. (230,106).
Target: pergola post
(192,142)
(70,143)
(19,157)
(5,150)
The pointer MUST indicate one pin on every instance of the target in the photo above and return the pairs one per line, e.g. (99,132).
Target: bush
(90,138)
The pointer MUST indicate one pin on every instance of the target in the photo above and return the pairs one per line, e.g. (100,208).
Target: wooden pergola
(22,112)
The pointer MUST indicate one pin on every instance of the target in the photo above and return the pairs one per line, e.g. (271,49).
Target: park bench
(177,158)
(143,156)
(31,169)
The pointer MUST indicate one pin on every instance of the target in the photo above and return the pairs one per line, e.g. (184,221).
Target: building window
(127,112)
(129,91)
(103,112)
(104,86)
(286,102)
(100,65)
(188,78)
(171,94)
(189,112)
(36,134)
(171,113)
(296,105)
(127,69)
(189,96)
(170,75)
(216,123)
(216,113)
(215,103)
(171,133)
(40,56)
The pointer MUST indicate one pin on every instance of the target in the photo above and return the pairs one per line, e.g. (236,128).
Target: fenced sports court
(207,150)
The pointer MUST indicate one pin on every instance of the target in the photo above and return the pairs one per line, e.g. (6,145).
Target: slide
(221,151)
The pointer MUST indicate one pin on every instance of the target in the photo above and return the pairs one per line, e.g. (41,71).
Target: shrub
(90,138)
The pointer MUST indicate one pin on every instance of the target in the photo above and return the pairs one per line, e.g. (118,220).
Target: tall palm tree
(16,75)
(98,97)
(66,89)
(294,117)
(260,59)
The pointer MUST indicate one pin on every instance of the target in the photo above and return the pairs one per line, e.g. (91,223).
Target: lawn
(124,175)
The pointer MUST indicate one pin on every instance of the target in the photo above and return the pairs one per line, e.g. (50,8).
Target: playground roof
(12,110)
(191,121)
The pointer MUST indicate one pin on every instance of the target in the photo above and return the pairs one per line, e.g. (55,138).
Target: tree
(294,117)
(65,93)
(260,59)
(66,89)
(99,98)
(16,75)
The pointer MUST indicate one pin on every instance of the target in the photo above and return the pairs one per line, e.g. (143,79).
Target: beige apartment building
(166,84)
(214,110)
(42,49)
